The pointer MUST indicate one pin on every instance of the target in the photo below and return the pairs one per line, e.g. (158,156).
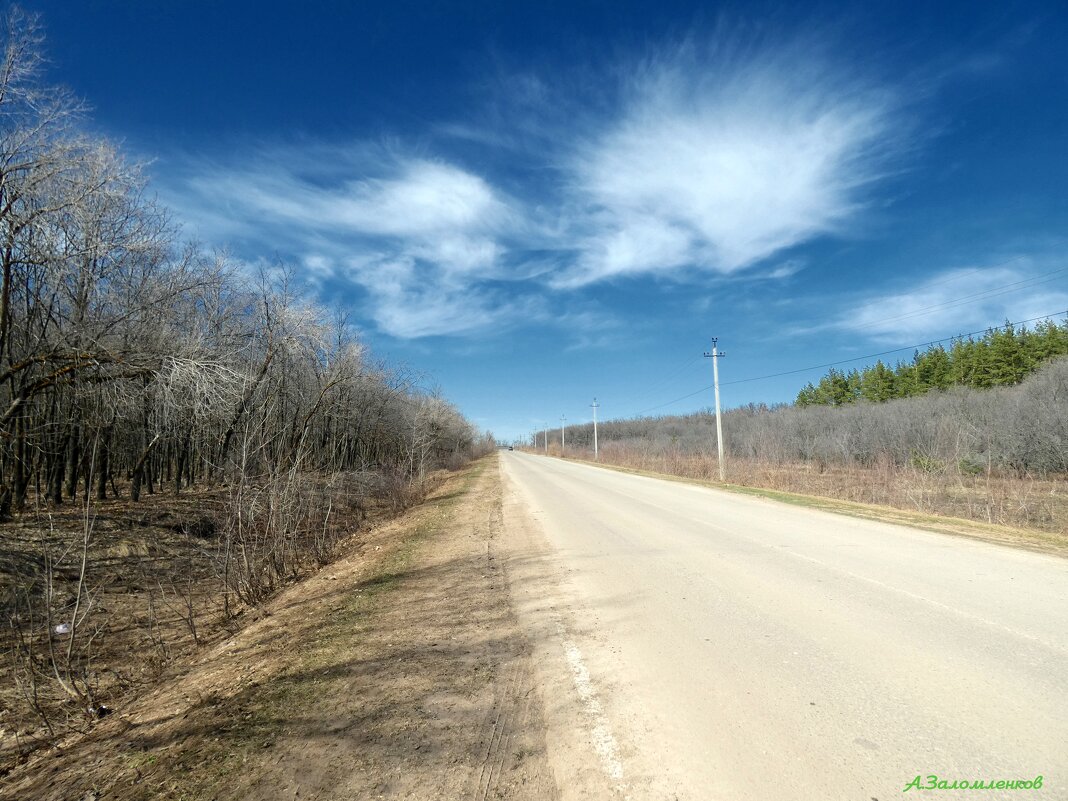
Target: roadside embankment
(400,671)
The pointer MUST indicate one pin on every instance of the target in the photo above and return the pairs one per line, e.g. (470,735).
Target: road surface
(697,644)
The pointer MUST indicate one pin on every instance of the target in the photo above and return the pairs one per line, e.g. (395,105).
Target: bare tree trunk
(55,472)
(139,471)
(242,407)
(22,474)
(74,457)
(179,468)
(103,464)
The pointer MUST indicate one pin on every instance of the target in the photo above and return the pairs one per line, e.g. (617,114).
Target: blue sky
(535,204)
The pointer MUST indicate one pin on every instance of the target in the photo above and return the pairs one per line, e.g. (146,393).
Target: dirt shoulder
(398,672)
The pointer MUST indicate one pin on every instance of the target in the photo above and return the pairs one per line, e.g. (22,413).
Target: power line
(896,350)
(669,403)
(972,270)
(853,359)
(654,387)
(1004,289)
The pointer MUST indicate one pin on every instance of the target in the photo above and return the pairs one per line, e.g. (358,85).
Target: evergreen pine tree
(1002,356)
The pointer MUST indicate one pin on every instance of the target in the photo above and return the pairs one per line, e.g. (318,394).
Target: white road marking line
(603,741)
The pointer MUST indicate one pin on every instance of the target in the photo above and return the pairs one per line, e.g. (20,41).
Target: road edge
(1034,540)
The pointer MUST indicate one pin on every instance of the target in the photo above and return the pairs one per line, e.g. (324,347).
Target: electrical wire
(1049,316)
(1004,289)
(895,350)
(655,387)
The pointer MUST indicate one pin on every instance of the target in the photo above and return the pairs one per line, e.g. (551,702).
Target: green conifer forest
(1001,357)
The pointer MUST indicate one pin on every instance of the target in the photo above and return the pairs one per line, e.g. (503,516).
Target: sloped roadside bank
(401,673)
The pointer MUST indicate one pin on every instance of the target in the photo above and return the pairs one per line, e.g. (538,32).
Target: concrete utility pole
(562,421)
(594,407)
(715,357)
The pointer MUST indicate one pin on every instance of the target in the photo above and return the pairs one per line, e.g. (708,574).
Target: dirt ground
(155,598)
(398,672)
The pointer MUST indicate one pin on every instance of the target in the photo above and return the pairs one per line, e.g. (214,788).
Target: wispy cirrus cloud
(719,162)
(446,213)
(423,237)
(959,301)
(690,160)
(410,298)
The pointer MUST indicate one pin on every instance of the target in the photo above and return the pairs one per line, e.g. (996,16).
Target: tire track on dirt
(513,717)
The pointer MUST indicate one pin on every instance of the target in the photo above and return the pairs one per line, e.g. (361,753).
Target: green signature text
(932,782)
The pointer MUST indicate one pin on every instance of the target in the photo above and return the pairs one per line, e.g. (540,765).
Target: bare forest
(997,455)
(179,437)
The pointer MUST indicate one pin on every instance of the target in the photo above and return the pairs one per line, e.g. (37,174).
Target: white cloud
(959,301)
(411,298)
(426,199)
(419,235)
(419,200)
(697,163)
(787,269)
(720,163)
(406,305)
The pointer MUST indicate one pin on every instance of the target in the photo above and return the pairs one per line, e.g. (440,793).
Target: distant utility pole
(562,421)
(715,357)
(594,407)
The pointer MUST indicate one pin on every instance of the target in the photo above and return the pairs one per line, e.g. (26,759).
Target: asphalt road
(729,647)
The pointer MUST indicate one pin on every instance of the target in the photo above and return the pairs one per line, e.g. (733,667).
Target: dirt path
(400,672)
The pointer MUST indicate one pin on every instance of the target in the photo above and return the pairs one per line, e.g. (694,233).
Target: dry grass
(153,596)
(399,671)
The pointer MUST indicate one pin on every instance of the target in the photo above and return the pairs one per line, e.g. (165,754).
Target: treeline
(1001,357)
(1018,430)
(131,361)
